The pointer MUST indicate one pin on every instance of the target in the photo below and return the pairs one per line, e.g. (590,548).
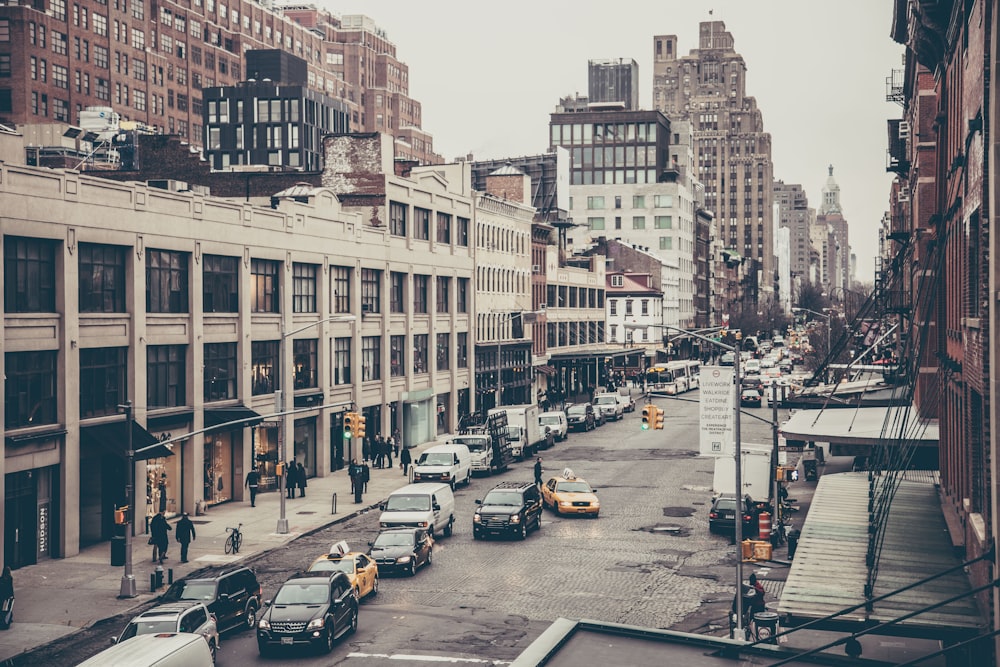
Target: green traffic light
(645,427)
(347,435)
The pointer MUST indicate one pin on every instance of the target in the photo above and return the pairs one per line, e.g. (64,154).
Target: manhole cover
(305,512)
(678,511)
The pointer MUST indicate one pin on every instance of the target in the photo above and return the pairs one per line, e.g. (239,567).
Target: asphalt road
(649,560)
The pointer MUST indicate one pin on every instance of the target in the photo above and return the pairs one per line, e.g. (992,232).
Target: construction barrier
(764,526)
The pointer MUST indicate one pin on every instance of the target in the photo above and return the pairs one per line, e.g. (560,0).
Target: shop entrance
(20,527)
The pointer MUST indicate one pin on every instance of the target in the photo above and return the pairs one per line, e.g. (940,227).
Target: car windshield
(408,503)
(295,593)
(474,444)
(436,459)
(393,540)
(726,504)
(191,590)
(149,627)
(577,410)
(502,498)
(576,486)
(606,400)
(345,565)
(552,419)
(514,432)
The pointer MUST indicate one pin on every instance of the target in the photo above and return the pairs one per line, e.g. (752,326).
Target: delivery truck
(755,472)
(523,431)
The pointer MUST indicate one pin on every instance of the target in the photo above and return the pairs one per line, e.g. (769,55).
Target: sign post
(716,411)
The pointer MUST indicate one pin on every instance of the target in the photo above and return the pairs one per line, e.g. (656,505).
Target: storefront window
(266,456)
(218,479)
(305,444)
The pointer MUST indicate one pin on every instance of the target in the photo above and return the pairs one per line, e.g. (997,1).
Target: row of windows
(400,223)
(597,202)
(592,133)
(629,306)
(30,283)
(566,296)
(638,222)
(562,334)
(30,390)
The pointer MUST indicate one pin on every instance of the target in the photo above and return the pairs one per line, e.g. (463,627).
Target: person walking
(252,483)
(404,461)
(538,472)
(158,529)
(185,535)
(300,479)
(356,484)
(291,472)
(366,450)
(6,598)
(387,444)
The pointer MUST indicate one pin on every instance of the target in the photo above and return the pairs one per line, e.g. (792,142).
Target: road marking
(428,658)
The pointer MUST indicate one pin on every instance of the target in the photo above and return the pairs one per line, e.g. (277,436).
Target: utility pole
(128,578)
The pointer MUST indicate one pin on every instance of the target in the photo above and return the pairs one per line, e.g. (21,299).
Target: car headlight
(446,476)
(476,518)
(515,518)
(404,559)
(565,503)
(315,624)
(264,624)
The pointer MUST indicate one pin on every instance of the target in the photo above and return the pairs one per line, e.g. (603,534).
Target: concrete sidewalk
(60,596)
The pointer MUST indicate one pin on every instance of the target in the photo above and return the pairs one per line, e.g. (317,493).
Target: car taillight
(713,515)
(747,517)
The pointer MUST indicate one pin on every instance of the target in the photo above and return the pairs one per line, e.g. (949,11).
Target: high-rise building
(613,84)
(830,213)
(795,215)
(732,150)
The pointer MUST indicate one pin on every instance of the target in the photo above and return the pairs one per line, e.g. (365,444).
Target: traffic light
(350,425)
(658,419)
(359,426)
(648,411)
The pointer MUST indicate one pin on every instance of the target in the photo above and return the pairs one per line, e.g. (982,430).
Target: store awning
(112,438)
(233,413)
(546,370)
(590,355)
(861,426)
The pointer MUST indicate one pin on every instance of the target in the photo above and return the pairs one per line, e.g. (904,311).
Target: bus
(672,378)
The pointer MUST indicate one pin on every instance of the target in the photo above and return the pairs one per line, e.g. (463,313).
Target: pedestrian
(158,529)
(252,483)
(6,598)
(757,603)
(387,444)
(291,472)
(354,471)
(366,475)
(394,444)
(300,479)
(366,450)
(185,535)
(404,461)
(378,451)
(538,471)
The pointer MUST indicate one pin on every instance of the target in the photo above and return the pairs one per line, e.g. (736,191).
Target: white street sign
(717,411)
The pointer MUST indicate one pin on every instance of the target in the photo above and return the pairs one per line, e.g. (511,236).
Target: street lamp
(828,323)
(281,405)
(738,488)
(505,318)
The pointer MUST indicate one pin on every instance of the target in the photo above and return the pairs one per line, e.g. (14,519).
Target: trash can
(766,623)
(793,542)
(117,550)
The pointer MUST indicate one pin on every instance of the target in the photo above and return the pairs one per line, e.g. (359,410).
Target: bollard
(159,576)
(333,504)
(152,582)
(170,576)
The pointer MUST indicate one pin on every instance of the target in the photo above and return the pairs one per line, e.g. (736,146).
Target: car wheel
(413,566)
(430,557)
(374,587)
(453,485)
(476,535)
(449,529)
(251,617)
(538,522)
(214,650)
(354,622)
(523,534)
(328,644)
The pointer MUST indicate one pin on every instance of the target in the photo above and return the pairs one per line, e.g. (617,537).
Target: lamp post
(281,406)
(829,319)
(506,317)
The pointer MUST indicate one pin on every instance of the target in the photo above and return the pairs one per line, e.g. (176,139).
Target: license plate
(728,515)
(287,640)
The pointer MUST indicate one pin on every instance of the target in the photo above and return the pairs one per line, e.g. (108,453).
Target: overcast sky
(489,74)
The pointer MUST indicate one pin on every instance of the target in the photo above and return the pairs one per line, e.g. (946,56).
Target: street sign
(717,411)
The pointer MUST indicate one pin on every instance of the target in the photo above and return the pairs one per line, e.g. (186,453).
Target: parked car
(727,359)
(722,515)
(163,649)
(610,406)
(581,417)
(402,550)
(510,508)
(310,609)
(555,422)
(187,616)
(750,398)
(359,568)
(233,596)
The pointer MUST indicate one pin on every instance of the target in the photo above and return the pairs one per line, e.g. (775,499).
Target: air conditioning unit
(536,268)
(904,129)
(366,308)
(904,196)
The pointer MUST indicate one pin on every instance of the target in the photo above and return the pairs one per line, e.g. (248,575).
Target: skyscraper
(832,215)
(613,83)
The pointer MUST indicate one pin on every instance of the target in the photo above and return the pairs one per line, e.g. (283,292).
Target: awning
(591,354)
(112,437)
(233,413)
(861,426)
(547,370)
(829,574)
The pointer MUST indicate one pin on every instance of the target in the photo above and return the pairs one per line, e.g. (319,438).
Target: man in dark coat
(300,479)
(158,529)
(404,460)
(291,474)
(252,483)
(355,472)
(538,472)
(185,533)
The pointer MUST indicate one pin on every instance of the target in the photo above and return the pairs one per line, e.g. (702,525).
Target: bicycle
(235,540)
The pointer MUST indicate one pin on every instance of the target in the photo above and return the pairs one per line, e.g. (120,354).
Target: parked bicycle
(235,539)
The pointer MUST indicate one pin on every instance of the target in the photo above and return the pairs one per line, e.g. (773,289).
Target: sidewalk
(60,596)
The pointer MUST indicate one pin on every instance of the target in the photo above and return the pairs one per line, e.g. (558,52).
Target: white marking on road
(428,658)
(219,558)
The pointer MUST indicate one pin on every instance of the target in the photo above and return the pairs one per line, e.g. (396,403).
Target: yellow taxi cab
(569,494)
(360,568)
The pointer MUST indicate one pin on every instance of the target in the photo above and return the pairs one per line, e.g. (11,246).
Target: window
(4,65)
(101,57)
(30,389)
(220,372)
(595,203)
(442,301)
(421,224)
(638,201)
(644,307)
(221,289)
(666,243)
(60,43)
(5,30)
(166,281)
(304,360)
(102,278)
(397,219)
(443,228)
(420,293)
(462,232)
(612,306)
(341,361)
(664,222)
(397,292)
(304,288)
(100,23)
(443,349)
(371,281)
(265,297)
(103,380)
(397,356)
(166,381)
(638,222)
(462,350)
(463,295)
(420,353)
(371,358)
(265,371)
(29,272)
(663,201)
(340,284)
(595,223)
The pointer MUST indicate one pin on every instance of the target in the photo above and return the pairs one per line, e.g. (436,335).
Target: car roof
(169,609)
(220,575)
(321,576)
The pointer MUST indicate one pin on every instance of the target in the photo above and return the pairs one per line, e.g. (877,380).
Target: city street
(649,559)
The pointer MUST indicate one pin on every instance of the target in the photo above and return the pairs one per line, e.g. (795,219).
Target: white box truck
(523,432)
(755,472)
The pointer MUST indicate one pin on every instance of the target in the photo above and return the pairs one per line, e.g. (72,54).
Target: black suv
(510,508)
(232,596)
(310,609)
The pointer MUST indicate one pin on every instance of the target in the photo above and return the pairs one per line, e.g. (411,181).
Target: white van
(555,423)
(429,505)
(451,464)
(166,649)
